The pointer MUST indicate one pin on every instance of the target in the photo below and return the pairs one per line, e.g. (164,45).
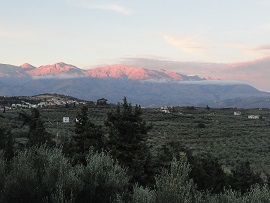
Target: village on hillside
(38,101)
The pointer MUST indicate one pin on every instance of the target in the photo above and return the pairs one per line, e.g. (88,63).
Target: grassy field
(219,132)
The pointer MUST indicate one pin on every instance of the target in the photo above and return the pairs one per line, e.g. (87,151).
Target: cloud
(106,6)
(251,50)
(187,44)
(265,47)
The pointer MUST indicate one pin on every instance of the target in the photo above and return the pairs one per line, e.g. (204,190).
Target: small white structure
(237,113)
(42,104)
(34,106)
(165,109)
(65,119)
(253,117)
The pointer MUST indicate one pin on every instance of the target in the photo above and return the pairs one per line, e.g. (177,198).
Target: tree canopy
(127,138)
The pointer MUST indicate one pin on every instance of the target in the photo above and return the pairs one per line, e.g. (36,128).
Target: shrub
(60,179)
(174,185)
(38,174)
(143,195)
(201,125)
(103,179)
(2,174)
(257,194)
(22,184)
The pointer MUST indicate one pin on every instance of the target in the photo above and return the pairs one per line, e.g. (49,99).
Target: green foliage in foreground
(46,175)
(42,174)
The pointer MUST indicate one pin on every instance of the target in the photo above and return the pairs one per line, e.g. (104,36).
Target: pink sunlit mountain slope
(56,69)
(129,72)
(114,71)
(27,66)
(11,71)
(254,72)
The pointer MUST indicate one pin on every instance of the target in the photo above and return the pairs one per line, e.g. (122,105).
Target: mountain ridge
(114,71)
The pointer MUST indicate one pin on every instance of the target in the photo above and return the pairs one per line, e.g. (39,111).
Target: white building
(253,117)
(165,109)
(65,119)
(237,113)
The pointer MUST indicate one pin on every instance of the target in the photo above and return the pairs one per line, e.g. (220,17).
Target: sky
(88,33)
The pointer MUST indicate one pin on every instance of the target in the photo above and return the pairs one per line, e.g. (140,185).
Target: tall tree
(2,138)
(6,143)
(207,173)
(37,134)
(243,177)
(81,120)
(9,148)
(87,135)
(127,139)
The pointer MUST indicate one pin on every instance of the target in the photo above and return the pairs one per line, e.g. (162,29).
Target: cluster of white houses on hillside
(255,117)
(28,105)
(166,109)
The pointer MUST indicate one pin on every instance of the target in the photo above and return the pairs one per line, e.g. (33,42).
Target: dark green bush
(201,125)
(103,179)
(38,173)
(22,184)
(2,174)
(174,185)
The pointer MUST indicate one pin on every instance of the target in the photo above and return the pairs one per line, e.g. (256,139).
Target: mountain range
(150,88)
(255,72)
(114,71)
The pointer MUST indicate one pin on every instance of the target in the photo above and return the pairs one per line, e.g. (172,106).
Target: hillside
(148,94)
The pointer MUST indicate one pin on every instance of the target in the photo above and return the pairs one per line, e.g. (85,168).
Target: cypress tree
(87,135)
(37,134)
(2,138)
(127,139)
(81,120)
(6,144)
(243,177)
(9,148)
